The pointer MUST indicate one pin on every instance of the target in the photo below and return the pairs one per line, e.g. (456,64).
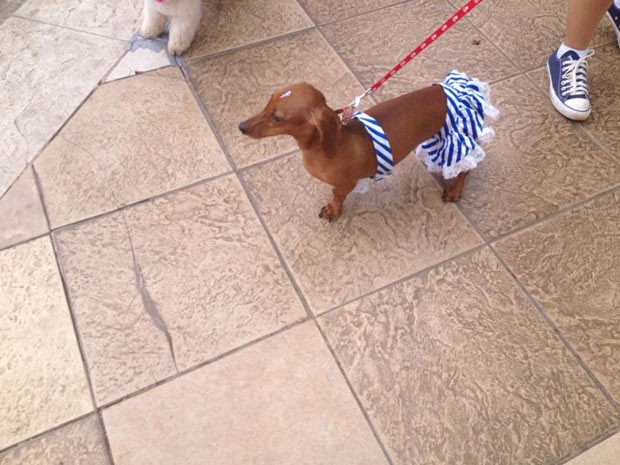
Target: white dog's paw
(177,44)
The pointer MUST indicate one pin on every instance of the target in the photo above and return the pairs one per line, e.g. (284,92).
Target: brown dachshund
(341,155)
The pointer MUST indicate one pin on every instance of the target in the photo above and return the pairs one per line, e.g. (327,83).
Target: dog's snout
(243,127)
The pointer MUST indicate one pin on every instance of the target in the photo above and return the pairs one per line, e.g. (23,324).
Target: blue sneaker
(568,84)
(614,16)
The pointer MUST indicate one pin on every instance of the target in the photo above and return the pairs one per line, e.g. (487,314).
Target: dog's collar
(383,150)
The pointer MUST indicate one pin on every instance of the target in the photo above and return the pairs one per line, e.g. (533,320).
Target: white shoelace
(575,76)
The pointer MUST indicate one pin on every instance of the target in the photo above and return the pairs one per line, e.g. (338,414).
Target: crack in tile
(149,304)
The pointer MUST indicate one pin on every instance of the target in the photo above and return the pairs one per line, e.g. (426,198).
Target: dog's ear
(326,123)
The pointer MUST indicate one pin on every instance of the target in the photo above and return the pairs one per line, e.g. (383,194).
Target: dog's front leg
(153,22)
(332,210)
(183,26)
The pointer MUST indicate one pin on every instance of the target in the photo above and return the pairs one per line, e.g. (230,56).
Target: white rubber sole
(613,24)
(568,112)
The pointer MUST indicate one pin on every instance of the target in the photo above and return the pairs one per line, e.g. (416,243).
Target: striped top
(383,151)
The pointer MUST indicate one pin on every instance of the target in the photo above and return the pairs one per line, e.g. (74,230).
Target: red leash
(347,111)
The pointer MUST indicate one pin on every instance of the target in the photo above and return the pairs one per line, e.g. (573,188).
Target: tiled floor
(168,294)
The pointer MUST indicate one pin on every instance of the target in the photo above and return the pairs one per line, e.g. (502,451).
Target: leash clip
(347,112)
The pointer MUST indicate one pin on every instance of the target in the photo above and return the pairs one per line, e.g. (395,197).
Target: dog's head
(300,111)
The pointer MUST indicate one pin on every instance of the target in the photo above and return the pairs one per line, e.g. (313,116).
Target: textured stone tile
(247,78)
(324,11)
(21,213)
(211,283)
(537,164)
(455,366)
(528,31)
(603,122)
(79,443)
(132,139)
(46,73)
(234,23)
(104,17)
(398,29)
(282,401)
(124,348)
(605,453)
(8,7)
(42,380)
(398,227)
(570,265)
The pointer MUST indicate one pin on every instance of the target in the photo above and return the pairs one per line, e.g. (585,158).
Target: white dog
(184,22)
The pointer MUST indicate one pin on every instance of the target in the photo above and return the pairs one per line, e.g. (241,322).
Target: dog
(184,18)
(443,121)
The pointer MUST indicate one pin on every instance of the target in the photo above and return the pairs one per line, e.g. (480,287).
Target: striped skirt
(455,148)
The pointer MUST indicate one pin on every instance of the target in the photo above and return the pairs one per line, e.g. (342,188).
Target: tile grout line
(589,445)
(68,28)
(203,364)
(404,279)
(303,300)
(358,401)
(553,326)
(41,434)
(269,40)
(120,208)
(558,213)
(52,137)
(77,334)
(80,342)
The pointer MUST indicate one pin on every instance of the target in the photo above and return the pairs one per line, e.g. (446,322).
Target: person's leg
(567,66)
(583,17)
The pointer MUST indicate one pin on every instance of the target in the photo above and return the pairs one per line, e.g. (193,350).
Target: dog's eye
(276,118)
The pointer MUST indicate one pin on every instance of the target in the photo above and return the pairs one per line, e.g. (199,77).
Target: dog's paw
(177,45)
(450,196)
(329,213)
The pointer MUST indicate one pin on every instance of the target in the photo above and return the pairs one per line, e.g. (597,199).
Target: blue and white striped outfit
(455,148)
(383,150)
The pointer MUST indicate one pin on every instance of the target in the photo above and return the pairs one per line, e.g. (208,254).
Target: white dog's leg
(153,22)
(184,25)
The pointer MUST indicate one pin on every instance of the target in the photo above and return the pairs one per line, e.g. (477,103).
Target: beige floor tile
(537,164)
(46,73)
(528,31)
(455,366)
(132,139)
(398,227)
(282,401)
(79,443)
(247,78)
(605,453)
(103,17)
(211,280)
(42,380)
(604,120)
(570,265)
(325,11)
(234,23)
(124,348)
(397,30)
(8,7)
(21,212)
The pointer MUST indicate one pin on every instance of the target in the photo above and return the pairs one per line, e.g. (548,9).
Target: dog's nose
(243,127)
